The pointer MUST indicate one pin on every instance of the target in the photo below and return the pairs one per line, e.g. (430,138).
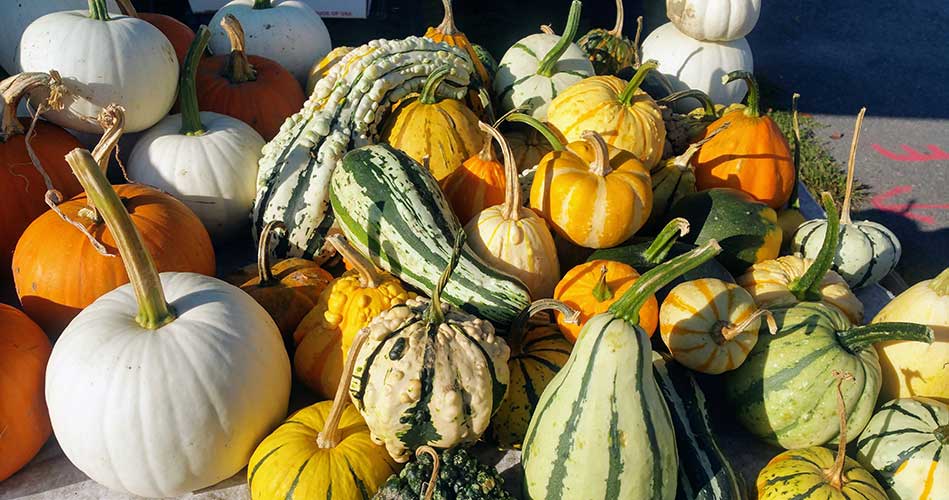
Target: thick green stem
(601,292)
(628,306)
(238,68)
(549,63)
(427,96)
(264,272)
(98,10)
(153,310)
(548,134)
(940,284)
(435,313)
(659,249)
(793,201)
(859,338)
(851,167)
(262,4)
(512,188)
(519,325)
(187,90)
(807,287)
(626,97)
(752,109)
(708,107)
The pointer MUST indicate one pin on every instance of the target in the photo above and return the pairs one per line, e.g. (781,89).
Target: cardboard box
(352,9)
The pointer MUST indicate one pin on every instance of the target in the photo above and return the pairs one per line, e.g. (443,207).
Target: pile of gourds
(428,291)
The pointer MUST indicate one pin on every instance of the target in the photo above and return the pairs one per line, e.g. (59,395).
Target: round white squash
(287,31)
(689,63)
(122,60)
(714,20)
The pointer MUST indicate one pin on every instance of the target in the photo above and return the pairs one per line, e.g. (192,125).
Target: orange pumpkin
(177,32)
(24,420)
(21,184)
(476,185)
(447,32)
(752,155)
(257,91)
(592,287)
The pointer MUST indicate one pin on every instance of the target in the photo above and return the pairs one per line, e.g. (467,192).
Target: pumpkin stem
(264,271)
(519,326)
(544,130)
(549,63)
(427,96)
(942,434)
(112,121)
(626,97)
(940,284)
(512,188)
(636,39)
(547,29)
(435,313)
(12,90)
(187,91)
(708,107)
(601,292)
(859,338)
(628,306)
(601,159)
(835,476)
(683,161)
(238,68)
(436,463)
(851,161)
(659,248)
(730,331)
(617,30)
(447,26)
(98,10)
(807,287)
(794,201)
(153,311)
(262,4)
(126,7)
(753,108)
(330,436)
(369,275)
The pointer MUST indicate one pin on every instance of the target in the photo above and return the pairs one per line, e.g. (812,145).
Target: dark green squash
(458,475)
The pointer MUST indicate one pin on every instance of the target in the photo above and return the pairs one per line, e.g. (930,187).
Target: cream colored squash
(714,20)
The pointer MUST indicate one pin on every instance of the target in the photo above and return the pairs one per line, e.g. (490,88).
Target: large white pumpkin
(714,20)
(287,31)
(690,63)
(122,60)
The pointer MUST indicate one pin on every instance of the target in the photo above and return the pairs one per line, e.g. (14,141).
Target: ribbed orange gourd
(621,112)
(255,90)
(592,287)
(592,194)
(751,156)
(448,33)
(476,185)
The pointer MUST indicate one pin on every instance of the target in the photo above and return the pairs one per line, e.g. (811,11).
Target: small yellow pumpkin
(512,238)
(710,325)
(621,112)
(592,194)
(344,307)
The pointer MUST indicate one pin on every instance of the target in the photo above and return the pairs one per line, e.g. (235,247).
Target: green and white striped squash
(540,66)
(345,111)
(783,392)
(428,374)
(704,471)
(906,446)
(602,429)
(391,209)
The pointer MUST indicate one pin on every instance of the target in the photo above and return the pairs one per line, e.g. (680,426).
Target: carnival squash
(610,51)
(323,66)
(714,20)
(477,184)
(177,32)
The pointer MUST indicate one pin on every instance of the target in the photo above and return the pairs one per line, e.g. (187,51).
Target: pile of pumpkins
(430,292)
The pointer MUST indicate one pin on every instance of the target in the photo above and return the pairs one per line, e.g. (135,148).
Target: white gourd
(714,20)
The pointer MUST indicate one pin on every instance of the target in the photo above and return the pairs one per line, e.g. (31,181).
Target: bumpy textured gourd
(683,128)
(322,67)
(610,51)
(344,111)
(455,474)
(622,421)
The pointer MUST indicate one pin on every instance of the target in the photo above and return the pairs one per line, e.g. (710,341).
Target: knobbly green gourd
(610,51)
(453,474)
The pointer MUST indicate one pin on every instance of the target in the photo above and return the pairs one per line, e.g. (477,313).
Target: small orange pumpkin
(592,287)
(476,185)
(447,32)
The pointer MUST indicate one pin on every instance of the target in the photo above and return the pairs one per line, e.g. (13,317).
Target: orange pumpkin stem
(512,188)
(238,68)
(519,325)
(330,436)
(436,463)
(835,476)
(851,162)
(112,121)
(369,275)
(265,275)
(487,153)
(752,109)
(729,331)
(626,97)
(126,7)
(601,292)
(601,160)
(617,30)
(447,26)
(940,284)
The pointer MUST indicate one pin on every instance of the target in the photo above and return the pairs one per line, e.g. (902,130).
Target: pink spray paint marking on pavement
(883,202)
(912,155)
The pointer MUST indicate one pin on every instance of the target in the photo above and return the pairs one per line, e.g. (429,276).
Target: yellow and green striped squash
(802,475)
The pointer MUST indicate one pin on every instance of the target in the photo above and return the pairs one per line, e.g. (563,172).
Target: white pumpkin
(207,160)
(103,59)
(538,67)
(287,31)
(18,15)
(160,398)
(690,63)
(714,20)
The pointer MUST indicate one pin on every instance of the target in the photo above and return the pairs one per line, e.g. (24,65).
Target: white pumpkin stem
(153,310)
(940,284)
(617,30)
(835,476)
(730,331)
(548,64)
(329,436)
(601,159)
(238,68)
(369,275)
(683,162)
(547,29)
(851,166)
(98,10)
(436,463)
(512,188)
(447,26)
(265,275)
(126,7)
(187,91)
(12,91)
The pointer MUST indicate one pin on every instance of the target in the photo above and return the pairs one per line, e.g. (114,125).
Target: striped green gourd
(602,429)
(610,51)
(906,446)
(783,392)
(391,209)
(345,111)
(704,471)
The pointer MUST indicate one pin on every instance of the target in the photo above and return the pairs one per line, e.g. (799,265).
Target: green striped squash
(783,392)
(602,429)
(391,209)
(867,251)
(906,446)
(704,471)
